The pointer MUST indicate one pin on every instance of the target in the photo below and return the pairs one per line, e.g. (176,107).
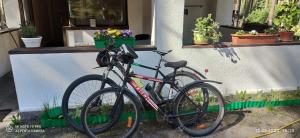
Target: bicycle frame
(139,91)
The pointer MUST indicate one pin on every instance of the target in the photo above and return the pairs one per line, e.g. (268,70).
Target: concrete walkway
(237,124)
(8,98)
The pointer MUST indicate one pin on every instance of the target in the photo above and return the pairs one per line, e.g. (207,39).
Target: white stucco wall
(39,78)
(12,13)
(6,44)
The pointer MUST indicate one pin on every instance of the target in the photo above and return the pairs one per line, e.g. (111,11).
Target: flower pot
(100,43)
(127,41)
(200,42)
(199,39)
(286,36)
(32,42)
(253,39)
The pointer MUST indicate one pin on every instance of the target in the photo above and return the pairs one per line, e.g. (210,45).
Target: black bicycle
(80,89)
(198,107)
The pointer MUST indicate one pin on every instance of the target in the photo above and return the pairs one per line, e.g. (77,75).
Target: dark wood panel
(49,16)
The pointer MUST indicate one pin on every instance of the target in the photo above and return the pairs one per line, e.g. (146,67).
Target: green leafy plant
(28,31)
(206,29)
(242,96)
(287,15)
(275,96)
(76,113)
(259,16)
(261,96)
(105,108)
(253,32)
(240,32)
(296,30)
(297,92)
(46,107)
(271,30)
(15,120)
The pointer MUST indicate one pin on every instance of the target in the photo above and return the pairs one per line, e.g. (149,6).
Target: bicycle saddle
(161,52)
(176,65)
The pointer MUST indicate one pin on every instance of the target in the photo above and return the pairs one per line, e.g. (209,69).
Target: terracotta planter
(253,39)
(286,36)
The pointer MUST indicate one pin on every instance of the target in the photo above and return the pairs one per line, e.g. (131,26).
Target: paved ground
(237,124)
(8,98)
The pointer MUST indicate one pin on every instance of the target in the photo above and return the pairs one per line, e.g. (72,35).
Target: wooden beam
(21,8)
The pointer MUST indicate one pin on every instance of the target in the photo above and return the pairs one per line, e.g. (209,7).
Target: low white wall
(6,44)
(41,77)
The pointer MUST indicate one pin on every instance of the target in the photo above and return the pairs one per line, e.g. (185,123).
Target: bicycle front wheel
(77,93)
(199,109)
(100,117)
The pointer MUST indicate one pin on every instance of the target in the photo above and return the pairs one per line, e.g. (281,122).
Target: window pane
(106,12)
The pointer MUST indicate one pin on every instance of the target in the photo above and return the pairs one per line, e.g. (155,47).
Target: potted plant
(257,20)
(206,29)
(253,37)
(120,37)
(100,39)
(124,37)
(296,30)
(29,36)
(287,15)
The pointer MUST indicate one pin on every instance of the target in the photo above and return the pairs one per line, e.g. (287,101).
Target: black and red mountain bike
(197,108)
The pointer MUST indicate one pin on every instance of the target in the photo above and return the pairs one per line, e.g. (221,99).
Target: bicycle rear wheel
(197,115)
(100,119)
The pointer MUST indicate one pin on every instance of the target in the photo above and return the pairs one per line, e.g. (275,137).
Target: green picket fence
(50,119)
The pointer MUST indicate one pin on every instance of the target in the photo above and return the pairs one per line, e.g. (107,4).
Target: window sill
(79,49)
(228,44)
(7,30)
(92,28)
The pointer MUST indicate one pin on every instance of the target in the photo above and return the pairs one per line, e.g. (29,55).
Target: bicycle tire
(69,91)
(205,131)
(128,94)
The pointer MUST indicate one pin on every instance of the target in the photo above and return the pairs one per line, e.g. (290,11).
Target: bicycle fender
(209,81)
